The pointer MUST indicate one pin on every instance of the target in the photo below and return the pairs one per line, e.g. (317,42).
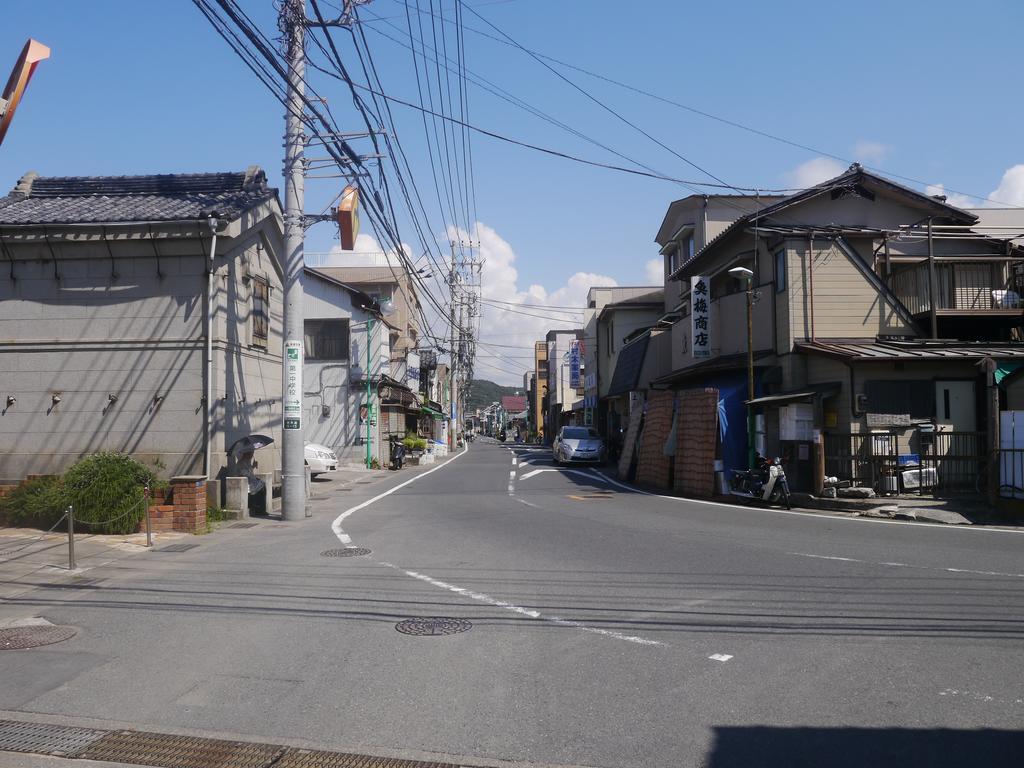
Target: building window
(327,339)
(260,312)
(780,270)
(688,248)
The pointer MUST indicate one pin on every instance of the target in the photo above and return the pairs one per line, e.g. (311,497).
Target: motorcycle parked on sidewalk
(397,454)
(766,484)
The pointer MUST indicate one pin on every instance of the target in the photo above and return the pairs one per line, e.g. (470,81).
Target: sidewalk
(29,558)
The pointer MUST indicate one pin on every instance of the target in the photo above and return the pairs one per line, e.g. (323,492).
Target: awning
(433,413)
(715,365)
(805,393)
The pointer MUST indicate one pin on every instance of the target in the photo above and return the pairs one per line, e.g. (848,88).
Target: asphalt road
(609,628)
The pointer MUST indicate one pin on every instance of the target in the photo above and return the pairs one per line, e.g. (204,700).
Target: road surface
(608,628)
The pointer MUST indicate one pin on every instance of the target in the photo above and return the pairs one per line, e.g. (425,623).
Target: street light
(747,277)
(386,308)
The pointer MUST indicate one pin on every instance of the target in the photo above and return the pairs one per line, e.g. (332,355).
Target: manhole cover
(346,552)
(433,626)
(43,738)
(16,638)
(169,751)
(177,548)
(243,525)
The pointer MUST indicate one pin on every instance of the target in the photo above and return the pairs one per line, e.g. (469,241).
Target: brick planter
(182,509)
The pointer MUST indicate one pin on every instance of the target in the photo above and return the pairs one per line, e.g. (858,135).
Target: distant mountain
(483,392)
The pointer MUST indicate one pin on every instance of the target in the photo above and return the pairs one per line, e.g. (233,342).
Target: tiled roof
(913,350)
(513,403)
(112,199)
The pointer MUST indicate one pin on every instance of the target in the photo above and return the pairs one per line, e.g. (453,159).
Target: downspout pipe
(213,224)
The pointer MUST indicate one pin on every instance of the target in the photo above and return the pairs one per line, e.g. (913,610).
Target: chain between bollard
(71,536)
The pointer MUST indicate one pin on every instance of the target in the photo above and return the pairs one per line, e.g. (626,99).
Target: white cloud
(813,172)
(654,270)
(870,151)
(960,201)
(1011,188)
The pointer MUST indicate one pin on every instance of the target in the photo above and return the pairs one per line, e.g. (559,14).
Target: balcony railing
(960,287)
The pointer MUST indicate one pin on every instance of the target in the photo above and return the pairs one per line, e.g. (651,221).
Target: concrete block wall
(696,442)
(632,430)
(654,467)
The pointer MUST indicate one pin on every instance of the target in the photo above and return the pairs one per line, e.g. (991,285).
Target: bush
(37,503)
(413,443)
(106,489)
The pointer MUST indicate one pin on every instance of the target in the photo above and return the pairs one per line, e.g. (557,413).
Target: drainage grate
(17,638)
(243,525)
(435,625)
(346,552)
(304,758)
(169,751)
(177,548)
(43,738)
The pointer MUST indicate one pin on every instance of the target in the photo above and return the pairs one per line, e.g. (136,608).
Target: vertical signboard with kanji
(293,384)
(574,366)
(700,317)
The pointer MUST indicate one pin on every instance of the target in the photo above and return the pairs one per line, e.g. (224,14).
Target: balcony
(962,288)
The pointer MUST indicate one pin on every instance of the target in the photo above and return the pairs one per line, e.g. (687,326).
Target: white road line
(720,656)
(908,565)
(528,503)
(808,516)
(534,472)
(515,459)
(528,612)
(344,538)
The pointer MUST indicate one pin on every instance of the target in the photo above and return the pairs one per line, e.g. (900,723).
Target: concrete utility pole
(292,20)
(453,356)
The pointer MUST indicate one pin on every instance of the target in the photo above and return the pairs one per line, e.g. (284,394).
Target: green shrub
(413,443)
(106,489)
(37,503)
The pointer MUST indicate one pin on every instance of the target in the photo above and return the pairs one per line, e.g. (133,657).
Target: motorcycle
(766,484)
(397,455)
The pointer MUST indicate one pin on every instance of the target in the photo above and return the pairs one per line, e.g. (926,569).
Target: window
(688,249)
(327,339)
(780,270)
(260,312)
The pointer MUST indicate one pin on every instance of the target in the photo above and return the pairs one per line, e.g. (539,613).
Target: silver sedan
(578,445)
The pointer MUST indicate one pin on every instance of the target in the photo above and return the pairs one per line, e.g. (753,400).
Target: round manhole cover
(16,638)
(433,626)
(346,552)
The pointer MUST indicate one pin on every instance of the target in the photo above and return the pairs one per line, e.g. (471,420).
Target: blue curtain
(732,415)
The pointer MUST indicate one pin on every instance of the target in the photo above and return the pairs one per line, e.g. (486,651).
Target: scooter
(766,484)
(397,455)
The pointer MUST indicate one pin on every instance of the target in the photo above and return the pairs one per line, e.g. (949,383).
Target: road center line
(518,609)
(908,565)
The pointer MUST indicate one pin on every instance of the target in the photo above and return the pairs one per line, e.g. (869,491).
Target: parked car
(320,459)
(578,445)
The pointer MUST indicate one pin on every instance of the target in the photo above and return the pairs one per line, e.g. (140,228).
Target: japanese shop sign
(700,316)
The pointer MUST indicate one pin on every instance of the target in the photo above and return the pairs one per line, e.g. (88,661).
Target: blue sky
(926,90)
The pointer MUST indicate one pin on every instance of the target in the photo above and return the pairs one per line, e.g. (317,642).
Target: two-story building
(565,379)
(139,314)
(876,309)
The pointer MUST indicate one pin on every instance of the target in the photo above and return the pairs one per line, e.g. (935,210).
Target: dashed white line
(908,565)
(518,609)
(720,656)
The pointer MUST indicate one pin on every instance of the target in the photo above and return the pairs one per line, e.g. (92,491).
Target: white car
(320,459)
(578,445)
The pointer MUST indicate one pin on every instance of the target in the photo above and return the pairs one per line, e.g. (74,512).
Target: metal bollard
(149,532)
(71,537)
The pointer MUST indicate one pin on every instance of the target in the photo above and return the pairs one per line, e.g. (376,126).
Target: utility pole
(292,20)
(453,356)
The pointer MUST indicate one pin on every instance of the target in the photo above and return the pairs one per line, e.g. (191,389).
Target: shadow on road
(764,746)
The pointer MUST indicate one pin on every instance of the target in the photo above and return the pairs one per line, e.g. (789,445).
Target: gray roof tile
(110,199)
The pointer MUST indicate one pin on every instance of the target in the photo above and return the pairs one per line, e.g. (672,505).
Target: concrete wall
(90,334)
(110,324)
(247,378)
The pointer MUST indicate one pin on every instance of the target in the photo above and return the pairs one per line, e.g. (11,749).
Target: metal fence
(912,461)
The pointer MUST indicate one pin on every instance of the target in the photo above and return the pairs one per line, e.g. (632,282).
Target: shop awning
(803,394)
(433,413)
